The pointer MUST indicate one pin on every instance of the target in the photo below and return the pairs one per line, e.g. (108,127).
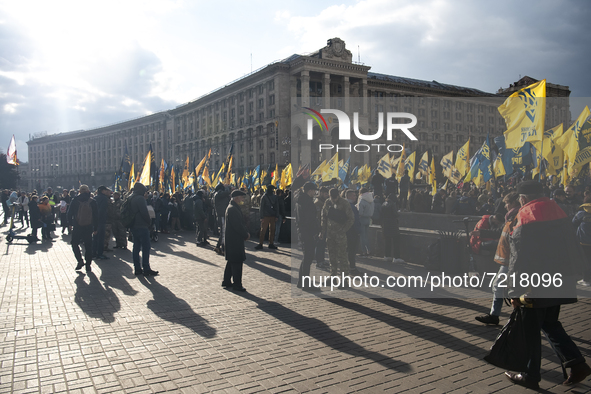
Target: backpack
(84,214)
(127,216)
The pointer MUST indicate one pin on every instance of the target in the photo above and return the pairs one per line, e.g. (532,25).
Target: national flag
(318,171)
(514,158)
(256,177)
(172,178)
(524,112)
(201,164)
(11,153)
(161,175)
(498,167)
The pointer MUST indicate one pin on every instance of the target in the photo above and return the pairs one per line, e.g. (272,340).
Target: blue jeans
(141,240)
(499,292)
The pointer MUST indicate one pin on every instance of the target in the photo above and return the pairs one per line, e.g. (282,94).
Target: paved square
(109,331)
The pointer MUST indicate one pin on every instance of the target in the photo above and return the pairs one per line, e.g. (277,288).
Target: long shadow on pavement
(272,272)
(167,306)
(422,331)
(321,332)
(113,274)
(94,299)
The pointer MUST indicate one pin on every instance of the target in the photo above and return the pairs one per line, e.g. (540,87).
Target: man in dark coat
(235,235)
(377,182)
(102,202)
(268,212)
(140,229)
(221,200)
(543,242)
(200,219)
(83,221)
(308,226)
(35,215)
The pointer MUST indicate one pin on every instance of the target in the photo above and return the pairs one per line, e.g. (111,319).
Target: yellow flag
(572,140)
(228,178)
(549,150)
(384,166)
(424,164)
(173,179)
(331,170)
(409,165)
(498,167)
(447,163)
(463,159)
(131,181)
(145,177)
(276,176)
(433,178)
(318,171)
(401,165)
(524,112)
(185,175)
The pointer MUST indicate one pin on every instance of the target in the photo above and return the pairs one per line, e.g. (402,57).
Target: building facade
(253,117)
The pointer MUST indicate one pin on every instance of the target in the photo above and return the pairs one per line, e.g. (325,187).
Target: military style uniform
(335,233)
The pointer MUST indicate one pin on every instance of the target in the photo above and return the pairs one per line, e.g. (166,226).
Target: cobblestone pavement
(109,331)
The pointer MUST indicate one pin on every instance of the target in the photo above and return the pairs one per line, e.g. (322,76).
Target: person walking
(543,235)
(63,210)
(353,234)
(268,211)
(236,234)
(582,222)
(23,204)
(82,219)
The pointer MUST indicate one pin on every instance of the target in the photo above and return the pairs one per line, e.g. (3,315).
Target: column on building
(305,83)
(346,87)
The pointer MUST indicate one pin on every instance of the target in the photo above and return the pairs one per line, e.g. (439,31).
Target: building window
(262,159)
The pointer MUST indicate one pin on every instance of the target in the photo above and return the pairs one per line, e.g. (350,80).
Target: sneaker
(259,247)
(272,246)
(578,373)
(79,266)
(584,282)
(488,319)
(151,273)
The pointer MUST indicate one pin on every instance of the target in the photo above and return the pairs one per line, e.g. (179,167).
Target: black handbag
(510,350)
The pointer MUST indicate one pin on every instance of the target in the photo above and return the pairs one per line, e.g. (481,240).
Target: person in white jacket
(365,205)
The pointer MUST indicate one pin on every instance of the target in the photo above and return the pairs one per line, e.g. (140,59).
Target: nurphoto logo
(344,125)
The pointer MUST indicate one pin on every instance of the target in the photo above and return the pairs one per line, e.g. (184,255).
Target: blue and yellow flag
(574,143)
(384,166)
(424,164)
(463,159)
(409,165)
(447,163)
(524,112)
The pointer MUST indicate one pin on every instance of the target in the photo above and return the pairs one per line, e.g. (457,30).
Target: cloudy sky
(67,66)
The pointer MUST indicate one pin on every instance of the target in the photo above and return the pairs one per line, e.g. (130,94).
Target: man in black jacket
(141,231)
(235,235)
(102,203)
(543,242)
(83,221)
(308,226)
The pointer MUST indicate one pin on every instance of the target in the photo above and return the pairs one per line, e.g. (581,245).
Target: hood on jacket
(586,207)
(367,197)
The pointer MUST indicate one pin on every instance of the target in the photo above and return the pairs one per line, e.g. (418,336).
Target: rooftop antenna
(358,55)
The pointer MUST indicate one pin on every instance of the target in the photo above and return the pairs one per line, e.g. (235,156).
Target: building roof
(427,84)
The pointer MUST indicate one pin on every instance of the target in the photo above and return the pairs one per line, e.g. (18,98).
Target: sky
(73,65)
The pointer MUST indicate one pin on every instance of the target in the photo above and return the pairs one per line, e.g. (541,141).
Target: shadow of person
(113,274)
(321,332)
(95,300)
(167,306)
(37,247)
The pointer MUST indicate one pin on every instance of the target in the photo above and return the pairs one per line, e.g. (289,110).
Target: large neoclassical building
(254,114)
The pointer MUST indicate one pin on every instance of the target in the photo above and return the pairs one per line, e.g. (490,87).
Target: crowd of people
(337,220)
